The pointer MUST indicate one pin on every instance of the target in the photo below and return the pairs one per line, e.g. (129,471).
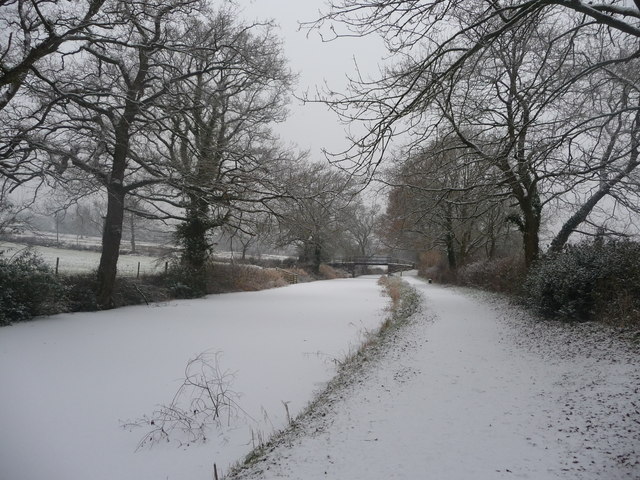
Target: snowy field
(84,261)
(475,389)
(69,240)
(70,382)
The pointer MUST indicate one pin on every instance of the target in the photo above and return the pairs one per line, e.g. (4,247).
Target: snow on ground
(84,261)
(70,240)
(473,389)
(69,381)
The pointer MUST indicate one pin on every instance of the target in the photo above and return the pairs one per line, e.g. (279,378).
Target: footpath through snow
(472,389)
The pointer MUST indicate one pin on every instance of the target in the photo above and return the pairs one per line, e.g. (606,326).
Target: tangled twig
(204,399)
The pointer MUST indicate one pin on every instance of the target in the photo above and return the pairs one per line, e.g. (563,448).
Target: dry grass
(329,273)
(224,278)
(392,289)
(405,301)
(303,275)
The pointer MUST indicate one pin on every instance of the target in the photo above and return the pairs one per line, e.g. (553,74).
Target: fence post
(166,267)
(138,275)
(57,264)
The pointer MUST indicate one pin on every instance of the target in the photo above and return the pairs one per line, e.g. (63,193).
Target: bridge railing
(371,260)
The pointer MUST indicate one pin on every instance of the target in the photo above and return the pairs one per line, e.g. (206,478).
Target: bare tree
(545,137)
(32,31)
(315,216)
(505,76)
(445,198)
(223,159)
(162,101)
(608,145)
(97,125)
(362,228)
(254,232)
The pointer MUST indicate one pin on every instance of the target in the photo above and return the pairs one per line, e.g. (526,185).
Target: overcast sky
(312,126)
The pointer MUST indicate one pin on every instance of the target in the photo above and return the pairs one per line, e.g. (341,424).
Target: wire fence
(127,268)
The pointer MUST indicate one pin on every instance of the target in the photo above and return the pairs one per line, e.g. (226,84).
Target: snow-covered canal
(70,382)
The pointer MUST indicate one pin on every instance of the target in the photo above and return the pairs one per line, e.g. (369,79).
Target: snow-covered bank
(472,390)
(69,381)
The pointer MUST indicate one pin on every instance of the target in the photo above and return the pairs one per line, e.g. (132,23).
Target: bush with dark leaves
(28,288)
(588,281)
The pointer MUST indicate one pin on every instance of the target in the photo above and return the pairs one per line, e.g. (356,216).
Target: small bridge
(393,264)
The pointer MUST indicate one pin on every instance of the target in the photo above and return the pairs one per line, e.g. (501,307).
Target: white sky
(313,126)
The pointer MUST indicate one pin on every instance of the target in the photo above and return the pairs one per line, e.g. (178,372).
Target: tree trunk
(111,239)
(531,236)
(317,257)
(451,252)
(133,233)
(490,246)
(112,231)
(449,241)
(192,235)
(57,230)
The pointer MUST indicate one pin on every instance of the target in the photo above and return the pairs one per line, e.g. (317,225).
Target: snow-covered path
(459,395)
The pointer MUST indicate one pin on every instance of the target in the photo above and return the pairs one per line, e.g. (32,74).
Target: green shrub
(183,282)
(28,288)
(591,280)
(81,292)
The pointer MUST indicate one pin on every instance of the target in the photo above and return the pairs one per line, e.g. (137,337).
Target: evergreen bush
(28,287)
(587,281)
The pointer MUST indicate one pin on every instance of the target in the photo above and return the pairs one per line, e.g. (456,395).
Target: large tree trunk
(529,226)
(317,257)
(451,252)
(111,238)
(112,231)
(192,235)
